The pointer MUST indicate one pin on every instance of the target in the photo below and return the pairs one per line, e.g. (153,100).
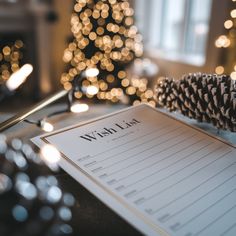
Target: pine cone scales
(166,90)
(204,97)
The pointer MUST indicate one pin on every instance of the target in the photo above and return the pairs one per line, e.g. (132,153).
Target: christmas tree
(105,42)
(10,59)
(227,44)
(12,74)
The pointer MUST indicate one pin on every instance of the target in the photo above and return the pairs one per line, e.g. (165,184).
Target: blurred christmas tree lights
(12,72)
(10,60)
(227,44)
(104,39)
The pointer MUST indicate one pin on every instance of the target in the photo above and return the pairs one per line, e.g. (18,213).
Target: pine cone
(31,200)
(165,93)
(204,97)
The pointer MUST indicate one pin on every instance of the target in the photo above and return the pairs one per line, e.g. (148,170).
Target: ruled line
(160,180)
(218,218)
(205,210)
(169,156)
(230,228)
(134,140)
(160,192)
(190,191)
(117,171)
(101,168)
(144,150)
(147,141)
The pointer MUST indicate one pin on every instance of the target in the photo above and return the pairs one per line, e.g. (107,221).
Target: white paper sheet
(163,176)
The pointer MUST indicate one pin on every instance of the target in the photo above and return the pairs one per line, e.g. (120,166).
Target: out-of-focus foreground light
(19,77)
(79,107)
(47,127)
(233,75)
(222,42)
(233,13)
(92,90)
(50,154)
(91,72)
(219,70)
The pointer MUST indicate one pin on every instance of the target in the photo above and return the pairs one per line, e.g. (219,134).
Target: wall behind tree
(60,32)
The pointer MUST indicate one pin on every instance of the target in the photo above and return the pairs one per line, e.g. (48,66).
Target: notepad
(161,175)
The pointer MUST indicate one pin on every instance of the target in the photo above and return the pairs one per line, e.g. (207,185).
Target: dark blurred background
(179,37)
(43,28)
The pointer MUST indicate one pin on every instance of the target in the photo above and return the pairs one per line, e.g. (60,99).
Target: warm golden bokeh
(104,37)
(227,45)
(10,56)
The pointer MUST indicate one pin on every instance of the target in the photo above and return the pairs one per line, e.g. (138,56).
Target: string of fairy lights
(105,38)
(228,42)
